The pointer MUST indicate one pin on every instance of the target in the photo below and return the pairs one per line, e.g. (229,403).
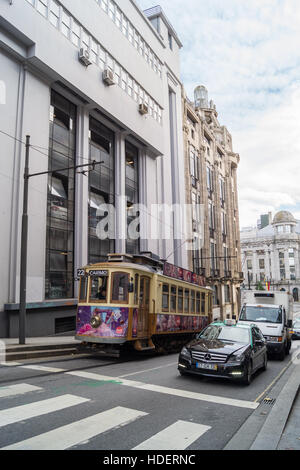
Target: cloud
(247,55)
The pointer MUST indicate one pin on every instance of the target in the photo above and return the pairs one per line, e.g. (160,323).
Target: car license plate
(201,365)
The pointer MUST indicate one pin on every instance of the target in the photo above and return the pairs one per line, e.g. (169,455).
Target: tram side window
(203,303)
(99,289)
(198,303)
(165,298)
(186,300)
(180,300)
(136,289)
(173,298)
(120,286)
(83,289)
(192,301)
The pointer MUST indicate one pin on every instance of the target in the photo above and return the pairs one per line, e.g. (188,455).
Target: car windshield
(261,314)
(226,333)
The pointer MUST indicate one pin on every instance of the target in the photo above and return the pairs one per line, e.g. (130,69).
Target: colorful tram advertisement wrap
(141,302)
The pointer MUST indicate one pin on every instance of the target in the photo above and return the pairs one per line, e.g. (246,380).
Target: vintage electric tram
(141,302)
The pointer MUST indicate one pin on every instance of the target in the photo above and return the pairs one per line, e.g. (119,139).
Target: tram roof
(140,267)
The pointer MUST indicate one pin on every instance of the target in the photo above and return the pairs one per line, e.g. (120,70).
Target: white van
(272,312)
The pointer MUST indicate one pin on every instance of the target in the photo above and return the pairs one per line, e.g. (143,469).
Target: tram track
(59,372)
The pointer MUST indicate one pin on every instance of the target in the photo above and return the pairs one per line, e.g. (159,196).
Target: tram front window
(99,289)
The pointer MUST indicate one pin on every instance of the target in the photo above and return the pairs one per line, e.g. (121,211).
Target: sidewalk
(49,346)
(282,426)
(274,425)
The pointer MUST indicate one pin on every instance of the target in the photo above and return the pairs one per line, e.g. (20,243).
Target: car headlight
(237,357)
(185,353)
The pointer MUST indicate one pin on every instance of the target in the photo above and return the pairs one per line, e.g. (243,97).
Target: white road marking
(43,368)
(80,431)
(178,436)
(149,370)
(21,413)
(169,391)
(10,364)
(20,389)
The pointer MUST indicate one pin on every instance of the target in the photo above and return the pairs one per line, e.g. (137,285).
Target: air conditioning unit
(84,57)
(108,77)
(143,109)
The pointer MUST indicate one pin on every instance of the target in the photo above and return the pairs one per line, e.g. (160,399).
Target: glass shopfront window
(101,184)
(61,188)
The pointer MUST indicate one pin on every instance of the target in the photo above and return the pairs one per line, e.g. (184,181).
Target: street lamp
(24,235)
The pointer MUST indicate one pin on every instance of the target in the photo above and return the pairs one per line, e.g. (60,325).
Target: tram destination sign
(93,273)
(183,275)
(98,273)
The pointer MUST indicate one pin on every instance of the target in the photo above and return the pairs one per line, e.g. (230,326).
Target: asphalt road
(124,404)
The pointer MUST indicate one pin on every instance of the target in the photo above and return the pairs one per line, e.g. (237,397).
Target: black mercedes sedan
(227,350)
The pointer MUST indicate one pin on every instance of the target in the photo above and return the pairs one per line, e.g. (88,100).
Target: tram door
(143,316)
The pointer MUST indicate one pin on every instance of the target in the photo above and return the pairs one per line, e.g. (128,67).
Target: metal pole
(24,235)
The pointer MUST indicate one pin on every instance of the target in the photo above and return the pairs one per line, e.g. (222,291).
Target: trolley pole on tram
(24,233)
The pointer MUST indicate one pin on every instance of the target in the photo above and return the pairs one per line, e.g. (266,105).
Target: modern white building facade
(272,254)
(87,81)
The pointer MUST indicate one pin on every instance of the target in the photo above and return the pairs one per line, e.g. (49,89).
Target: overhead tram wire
(37,148)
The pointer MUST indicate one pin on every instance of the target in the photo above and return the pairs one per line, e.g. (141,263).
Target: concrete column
(120,201)
(82,190)
(144,216)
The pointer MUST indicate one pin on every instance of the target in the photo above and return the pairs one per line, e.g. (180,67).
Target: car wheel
(248,375)
(265,364)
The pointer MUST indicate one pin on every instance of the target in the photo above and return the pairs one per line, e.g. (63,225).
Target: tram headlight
(185,353)
(96,321)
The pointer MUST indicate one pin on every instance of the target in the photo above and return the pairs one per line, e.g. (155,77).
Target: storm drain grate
(269,401)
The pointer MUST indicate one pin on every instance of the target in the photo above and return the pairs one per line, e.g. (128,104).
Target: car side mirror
(259,342)
(290,323)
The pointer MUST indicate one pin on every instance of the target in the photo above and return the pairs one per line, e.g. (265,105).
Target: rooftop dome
(284,217)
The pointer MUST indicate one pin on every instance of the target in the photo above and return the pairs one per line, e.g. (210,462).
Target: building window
(282,266)
(222,191)
(226,256)
(261,263)
(224,223)
(194,165)
(60,212)
(211,216)
(249,264)
(132,195)
(101,189)
(212,256)
(292,264)
(227,294)
(215,296)
(210,180)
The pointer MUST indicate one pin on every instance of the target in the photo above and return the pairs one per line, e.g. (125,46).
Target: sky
(247,54)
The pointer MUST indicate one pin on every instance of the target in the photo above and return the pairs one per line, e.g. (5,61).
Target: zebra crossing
(177,436)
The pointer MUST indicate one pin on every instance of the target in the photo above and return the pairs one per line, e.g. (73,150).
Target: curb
(270,434)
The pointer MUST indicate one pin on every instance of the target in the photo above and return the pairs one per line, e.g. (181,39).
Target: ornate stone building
(211,189)
(272,254)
